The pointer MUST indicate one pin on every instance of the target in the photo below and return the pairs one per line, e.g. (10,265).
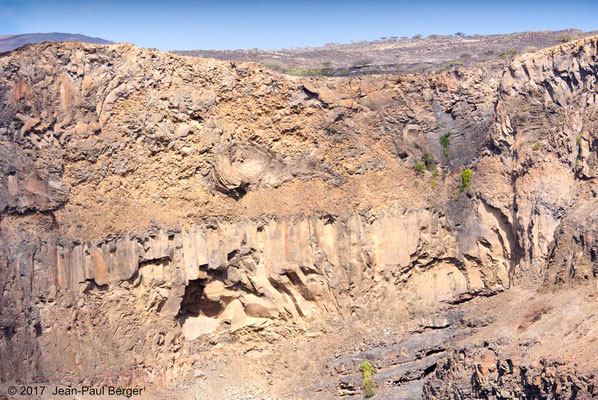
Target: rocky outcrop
(298,267)
(152,204)
(481,373)
(546,126)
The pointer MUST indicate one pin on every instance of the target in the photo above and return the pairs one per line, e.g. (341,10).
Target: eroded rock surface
(156,209)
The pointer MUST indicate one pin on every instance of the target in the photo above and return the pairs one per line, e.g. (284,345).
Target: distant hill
(11,42)
(396,54)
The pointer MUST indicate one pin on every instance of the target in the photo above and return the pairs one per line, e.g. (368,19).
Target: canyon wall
(150,201)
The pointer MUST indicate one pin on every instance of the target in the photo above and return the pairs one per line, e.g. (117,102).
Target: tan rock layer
(299,266)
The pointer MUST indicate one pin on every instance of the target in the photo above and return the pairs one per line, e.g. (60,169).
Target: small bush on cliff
(466,176)
(367,371)
(419,167)
(429,161)
(536,146)
(445,142)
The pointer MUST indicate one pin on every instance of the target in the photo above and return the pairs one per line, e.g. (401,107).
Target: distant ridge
(11,42)
(397,54)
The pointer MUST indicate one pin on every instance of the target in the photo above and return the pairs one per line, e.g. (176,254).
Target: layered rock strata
(150,202)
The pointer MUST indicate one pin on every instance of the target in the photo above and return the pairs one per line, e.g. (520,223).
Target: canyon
(214,229)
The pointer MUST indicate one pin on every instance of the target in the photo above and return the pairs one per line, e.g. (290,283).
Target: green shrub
(578,140)
(525,109)
(466,176)
(445,142)
(452,64)
(419,167)
(536,146)
(429,161)
(295,71)
(367,371)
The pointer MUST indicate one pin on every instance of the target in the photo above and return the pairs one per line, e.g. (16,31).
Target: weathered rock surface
(157,208)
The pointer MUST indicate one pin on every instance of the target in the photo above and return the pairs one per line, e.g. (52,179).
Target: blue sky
(184,24)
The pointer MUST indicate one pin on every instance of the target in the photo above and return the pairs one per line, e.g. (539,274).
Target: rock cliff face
(157,208)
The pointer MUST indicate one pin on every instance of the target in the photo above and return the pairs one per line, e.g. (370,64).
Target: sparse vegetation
(367,371)
(525,108)
(417,36)
(466,176)
(445,142)
(323,70)
(578,140)
(429,161)
(507,54)
(434,179)
(536,146)
(296,71)
(530,49)
(452,64)
(420,167)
